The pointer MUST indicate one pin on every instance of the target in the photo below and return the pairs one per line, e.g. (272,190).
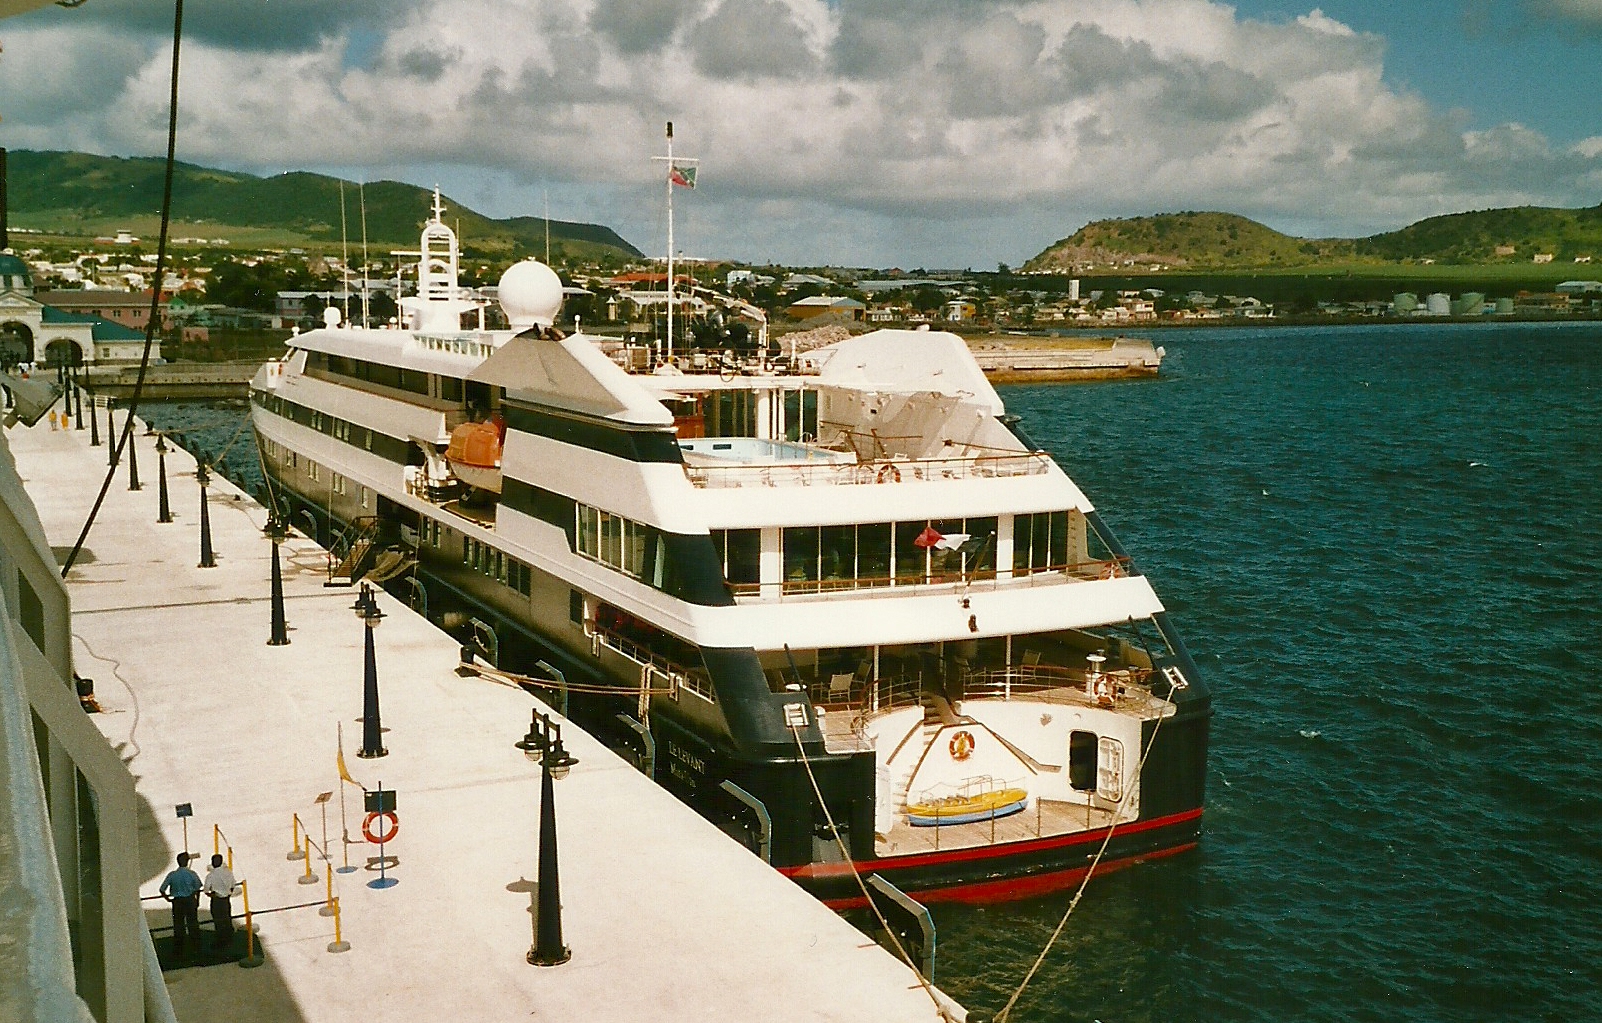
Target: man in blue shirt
(182,889)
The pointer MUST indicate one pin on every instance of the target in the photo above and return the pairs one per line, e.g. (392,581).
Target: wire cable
(155,292)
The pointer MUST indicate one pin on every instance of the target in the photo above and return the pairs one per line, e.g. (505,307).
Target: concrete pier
(667,918)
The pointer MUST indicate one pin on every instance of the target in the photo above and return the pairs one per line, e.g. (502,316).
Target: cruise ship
(840,603)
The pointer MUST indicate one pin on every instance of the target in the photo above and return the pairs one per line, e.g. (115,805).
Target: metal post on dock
(161,474)
(544,743)
(77,402)
(94,423)
(278,531)
(133,459)
(111,434)
(366,608)
(207,558)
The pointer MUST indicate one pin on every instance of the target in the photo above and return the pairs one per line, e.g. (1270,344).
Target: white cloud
(876,131)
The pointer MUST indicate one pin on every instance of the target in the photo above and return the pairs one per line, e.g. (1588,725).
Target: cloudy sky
(934,133)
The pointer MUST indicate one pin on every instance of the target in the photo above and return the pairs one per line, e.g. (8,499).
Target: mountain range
(86,195)
(1227,242)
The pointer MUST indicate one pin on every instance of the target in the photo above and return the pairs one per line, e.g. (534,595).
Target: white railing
(890,471)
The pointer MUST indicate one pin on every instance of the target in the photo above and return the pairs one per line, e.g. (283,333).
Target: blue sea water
(1384,546)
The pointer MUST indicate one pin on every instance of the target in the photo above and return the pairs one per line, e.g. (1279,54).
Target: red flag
(928,538)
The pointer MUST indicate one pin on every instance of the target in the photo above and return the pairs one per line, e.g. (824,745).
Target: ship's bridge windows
(626,545)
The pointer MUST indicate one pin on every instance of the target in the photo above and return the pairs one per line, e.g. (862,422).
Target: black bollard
(77,402)
(161,473)
(277,532)
(133,458)
(94,425)
(111,436)
(207,559)
(366,608)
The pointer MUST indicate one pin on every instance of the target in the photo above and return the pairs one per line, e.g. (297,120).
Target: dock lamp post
(207,558)
(366,608)
(278,531)
(161,473)
(543,743)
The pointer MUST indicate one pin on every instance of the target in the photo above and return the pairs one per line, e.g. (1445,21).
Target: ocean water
(1384,547)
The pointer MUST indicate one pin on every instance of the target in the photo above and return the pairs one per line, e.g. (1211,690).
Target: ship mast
(685,178)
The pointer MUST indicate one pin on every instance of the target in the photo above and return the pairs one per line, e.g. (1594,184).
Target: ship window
(800,556)
(313,470)
(742,554)
(30,611)
(366,496)
(338,483)
(873,554)
(575,607)
(1039,542)
(450,388)
(800,415)
(1082,749)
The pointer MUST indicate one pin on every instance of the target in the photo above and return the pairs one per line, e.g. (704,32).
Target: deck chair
(1031,663)
(840,687)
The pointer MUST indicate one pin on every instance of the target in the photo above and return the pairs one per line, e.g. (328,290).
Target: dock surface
(667,918)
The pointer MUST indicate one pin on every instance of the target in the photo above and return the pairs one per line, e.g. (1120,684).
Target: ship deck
(667,918)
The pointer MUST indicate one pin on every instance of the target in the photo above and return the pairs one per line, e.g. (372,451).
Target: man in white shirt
(220,886)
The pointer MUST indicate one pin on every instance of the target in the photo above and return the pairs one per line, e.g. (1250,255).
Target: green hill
(1226,242)
(83,195)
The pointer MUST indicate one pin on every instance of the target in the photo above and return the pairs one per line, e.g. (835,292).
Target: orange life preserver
(888,471)
(387,835)
(961,747)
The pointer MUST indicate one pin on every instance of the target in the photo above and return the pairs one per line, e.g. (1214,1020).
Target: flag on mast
(684,177)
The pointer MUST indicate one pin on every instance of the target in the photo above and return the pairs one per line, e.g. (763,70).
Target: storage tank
(1439,304)
(1404,303)
(1504,307)
(1470,303)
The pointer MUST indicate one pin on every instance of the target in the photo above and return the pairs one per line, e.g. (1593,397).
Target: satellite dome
(531,294)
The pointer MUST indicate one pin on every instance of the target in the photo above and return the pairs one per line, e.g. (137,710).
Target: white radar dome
(531,294)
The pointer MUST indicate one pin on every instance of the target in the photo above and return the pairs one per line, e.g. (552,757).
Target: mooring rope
(155,293)
(928,987)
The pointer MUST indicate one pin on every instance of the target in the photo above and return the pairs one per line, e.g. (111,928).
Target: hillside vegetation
(1227,242)
(80,194)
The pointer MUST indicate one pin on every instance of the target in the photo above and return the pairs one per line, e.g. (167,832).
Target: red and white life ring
(387,834)
(888,471)
(961,747)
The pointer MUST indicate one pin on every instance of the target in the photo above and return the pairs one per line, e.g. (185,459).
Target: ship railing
(680,678)
(1049,683)
(977,580)
(889,471)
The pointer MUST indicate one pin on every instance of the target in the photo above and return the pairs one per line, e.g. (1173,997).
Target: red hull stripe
(1009,889)
(1038,845)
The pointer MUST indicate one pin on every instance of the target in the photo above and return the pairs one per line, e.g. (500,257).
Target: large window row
(822,558)
(630,547)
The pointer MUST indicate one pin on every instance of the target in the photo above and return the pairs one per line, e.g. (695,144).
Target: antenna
(344,250)
(684,177)
(361,191)
(547,194)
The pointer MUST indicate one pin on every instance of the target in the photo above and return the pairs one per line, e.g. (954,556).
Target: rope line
(928,988)
(1006,1010)
(155,293)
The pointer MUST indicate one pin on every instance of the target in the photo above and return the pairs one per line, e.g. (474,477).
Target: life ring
(1111,571)
(387,835)
(888,471)
(961,747)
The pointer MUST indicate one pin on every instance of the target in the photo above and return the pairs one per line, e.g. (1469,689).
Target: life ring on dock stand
(888,471)
(388,834)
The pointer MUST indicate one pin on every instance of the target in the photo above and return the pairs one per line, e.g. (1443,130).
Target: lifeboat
(474,454)
(967,809)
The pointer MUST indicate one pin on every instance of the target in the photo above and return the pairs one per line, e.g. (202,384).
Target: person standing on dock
(182,889)
(220,886)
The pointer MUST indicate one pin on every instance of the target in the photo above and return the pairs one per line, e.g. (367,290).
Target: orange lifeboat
(474,454)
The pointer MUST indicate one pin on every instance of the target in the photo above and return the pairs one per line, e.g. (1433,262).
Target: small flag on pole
(684,177)
(343,773)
